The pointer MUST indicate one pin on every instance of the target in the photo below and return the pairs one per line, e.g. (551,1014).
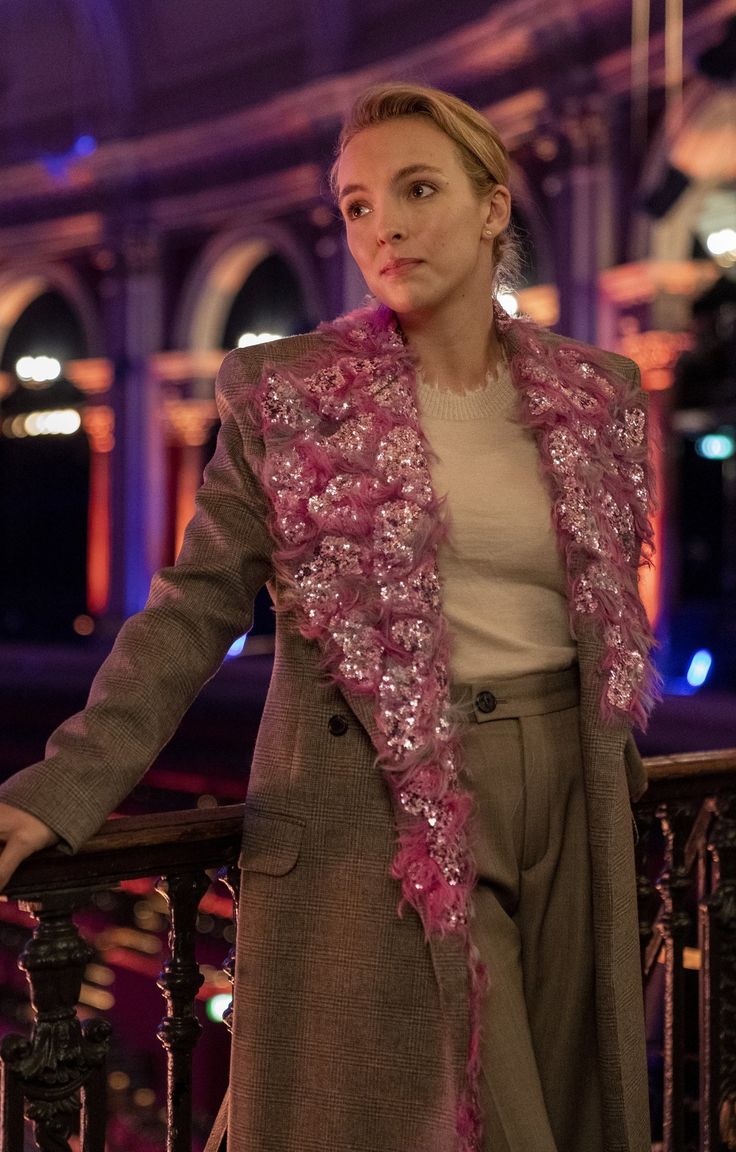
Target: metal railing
(56,1077)
(686,878)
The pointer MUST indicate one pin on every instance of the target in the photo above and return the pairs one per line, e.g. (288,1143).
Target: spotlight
(38,371)
(722,242)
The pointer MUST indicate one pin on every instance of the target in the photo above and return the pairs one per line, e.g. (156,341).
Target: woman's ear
(498,212)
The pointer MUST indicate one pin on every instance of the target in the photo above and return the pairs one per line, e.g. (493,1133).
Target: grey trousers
(540,1089)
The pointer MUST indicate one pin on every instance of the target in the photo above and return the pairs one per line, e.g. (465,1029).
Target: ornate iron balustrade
(686,865)
(56,1078)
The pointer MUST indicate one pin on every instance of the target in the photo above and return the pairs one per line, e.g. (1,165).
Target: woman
(460,654)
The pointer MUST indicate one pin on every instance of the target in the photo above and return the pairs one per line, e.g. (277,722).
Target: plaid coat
(350,1025)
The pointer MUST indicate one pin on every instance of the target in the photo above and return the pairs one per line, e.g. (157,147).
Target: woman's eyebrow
(409,170)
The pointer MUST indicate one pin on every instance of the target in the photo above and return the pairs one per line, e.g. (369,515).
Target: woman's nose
(390,228)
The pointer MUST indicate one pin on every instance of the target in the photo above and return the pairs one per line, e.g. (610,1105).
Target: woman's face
(416,227)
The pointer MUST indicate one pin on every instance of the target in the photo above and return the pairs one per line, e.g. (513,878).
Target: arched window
(270,301)
(44,477)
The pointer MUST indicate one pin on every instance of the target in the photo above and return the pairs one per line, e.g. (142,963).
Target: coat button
(485,702)
(337,725)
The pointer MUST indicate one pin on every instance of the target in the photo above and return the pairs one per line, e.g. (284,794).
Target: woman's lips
(397,267)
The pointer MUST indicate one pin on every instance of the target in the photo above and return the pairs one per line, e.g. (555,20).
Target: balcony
(55,1081)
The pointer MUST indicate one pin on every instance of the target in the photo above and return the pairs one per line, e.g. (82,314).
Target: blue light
(715,446)
(84,146)
(700,666)
(236,648)
(58,165)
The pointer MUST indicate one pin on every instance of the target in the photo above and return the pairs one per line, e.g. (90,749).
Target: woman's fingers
(20,835)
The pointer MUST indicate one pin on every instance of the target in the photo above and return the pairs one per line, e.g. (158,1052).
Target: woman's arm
(164,654)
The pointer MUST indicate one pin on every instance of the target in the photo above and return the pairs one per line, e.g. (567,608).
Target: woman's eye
(421,190)
(354,211)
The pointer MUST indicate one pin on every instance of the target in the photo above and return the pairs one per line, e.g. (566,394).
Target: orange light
(99,425)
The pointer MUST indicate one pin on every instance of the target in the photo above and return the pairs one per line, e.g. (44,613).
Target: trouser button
(485,701)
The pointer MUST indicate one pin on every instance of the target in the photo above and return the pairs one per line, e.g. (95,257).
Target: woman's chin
(406,303)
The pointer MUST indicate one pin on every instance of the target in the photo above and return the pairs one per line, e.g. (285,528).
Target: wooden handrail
(690,765)
(134,846)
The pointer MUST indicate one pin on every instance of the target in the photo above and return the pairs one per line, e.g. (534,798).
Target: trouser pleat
(533,921)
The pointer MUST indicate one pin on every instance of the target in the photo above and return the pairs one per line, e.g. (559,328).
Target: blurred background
(163,198)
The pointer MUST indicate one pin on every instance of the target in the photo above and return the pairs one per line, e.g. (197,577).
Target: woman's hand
(20,835)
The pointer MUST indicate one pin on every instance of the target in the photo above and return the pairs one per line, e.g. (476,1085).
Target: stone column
(189,425)
(132,301)
(98,422)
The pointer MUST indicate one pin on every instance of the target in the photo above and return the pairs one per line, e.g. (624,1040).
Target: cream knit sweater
(503,583)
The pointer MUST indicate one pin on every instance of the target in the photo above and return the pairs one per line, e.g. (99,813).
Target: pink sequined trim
(358,526)
(592,441)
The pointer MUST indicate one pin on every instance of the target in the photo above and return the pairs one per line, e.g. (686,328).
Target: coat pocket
(271,843)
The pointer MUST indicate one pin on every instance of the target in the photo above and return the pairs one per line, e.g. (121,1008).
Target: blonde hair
(480,148)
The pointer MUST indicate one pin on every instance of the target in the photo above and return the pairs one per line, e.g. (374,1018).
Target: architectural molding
(54,238)
(98,421)
(189,422)
(641,282)
(656,353)
(510,38)
(93,376)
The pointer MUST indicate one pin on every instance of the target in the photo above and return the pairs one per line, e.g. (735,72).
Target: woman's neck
(455,352)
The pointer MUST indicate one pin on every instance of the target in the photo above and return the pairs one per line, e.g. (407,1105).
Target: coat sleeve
(164,654)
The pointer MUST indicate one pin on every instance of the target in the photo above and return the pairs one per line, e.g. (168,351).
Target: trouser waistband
(532,695)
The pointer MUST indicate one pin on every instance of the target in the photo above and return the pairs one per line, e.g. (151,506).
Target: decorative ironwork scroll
(46,1074)
(718,994)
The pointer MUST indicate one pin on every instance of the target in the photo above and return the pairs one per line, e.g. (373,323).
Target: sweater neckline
(495,398)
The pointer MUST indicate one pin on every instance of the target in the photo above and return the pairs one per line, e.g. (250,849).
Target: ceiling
(116,68)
